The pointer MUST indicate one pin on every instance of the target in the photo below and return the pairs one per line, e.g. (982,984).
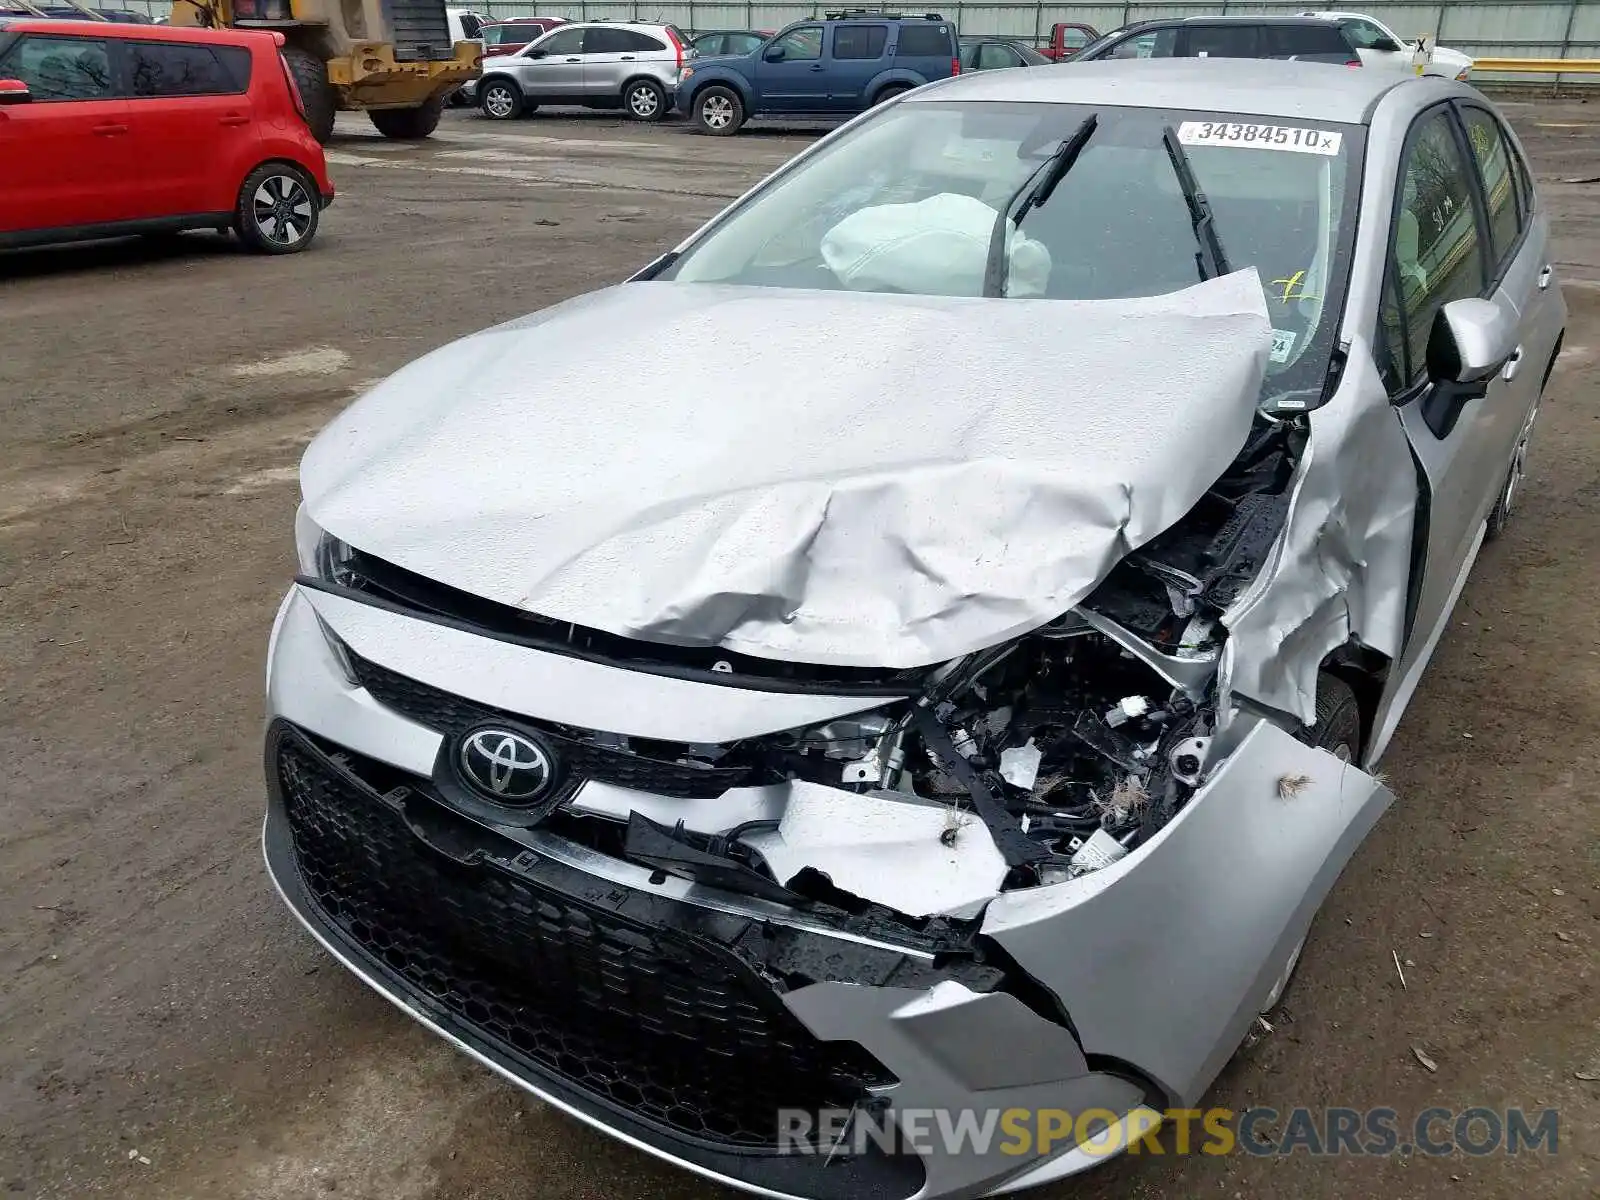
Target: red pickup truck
(1066,39)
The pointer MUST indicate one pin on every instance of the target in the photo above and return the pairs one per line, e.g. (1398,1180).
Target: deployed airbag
(936,247)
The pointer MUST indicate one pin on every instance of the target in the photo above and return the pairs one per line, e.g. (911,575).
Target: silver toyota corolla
(953,698)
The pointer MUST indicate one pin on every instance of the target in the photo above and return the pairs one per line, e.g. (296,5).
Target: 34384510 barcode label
(1260,137)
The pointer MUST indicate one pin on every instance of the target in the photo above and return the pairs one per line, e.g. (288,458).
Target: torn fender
(1342,563)
(1164,958)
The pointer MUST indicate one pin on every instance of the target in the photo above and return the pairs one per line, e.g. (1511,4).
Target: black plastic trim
(740,682)
(113,229)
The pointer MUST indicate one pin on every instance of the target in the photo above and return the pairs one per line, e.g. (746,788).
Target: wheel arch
(498,77)
(893,77)
(276,160)
(1366,671)
(733,81)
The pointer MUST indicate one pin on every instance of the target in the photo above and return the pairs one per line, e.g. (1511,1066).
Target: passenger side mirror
(774,53)
(1470,340)
(14,91)
(1387,45)
(537,53)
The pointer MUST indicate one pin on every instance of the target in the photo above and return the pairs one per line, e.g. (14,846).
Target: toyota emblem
(506,766)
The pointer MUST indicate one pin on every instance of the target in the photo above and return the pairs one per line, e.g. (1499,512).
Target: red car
(512,34)
(110,129)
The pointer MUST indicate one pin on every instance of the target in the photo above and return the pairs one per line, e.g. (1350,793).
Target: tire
(890,92)
(1500,515)
(500,100)
(408,124)
(1338,725)
(644,100)
(316,93)
(278,209)
(718,111)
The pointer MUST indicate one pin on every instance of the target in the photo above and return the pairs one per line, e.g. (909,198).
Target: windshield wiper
(1035,190)
(1210,260)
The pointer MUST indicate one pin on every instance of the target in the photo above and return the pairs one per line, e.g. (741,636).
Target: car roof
(1258,87)
(143,33)
(1231,19)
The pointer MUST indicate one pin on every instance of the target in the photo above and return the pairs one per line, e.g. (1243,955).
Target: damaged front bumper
(698,1023)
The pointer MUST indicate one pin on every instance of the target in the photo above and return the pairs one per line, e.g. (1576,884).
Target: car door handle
(574,60)
(1545,276)
(110,130)
(816,66)
(1513,365)
(233,119)
(627,58)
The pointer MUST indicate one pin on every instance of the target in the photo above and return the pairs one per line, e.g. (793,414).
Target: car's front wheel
(719,111)
(645,100)
(278,209)
(500,100)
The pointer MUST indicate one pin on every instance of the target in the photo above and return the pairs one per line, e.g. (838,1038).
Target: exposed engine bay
(1067,748)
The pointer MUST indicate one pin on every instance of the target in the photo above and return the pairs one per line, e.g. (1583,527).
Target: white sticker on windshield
(1260,137)
(1282,344)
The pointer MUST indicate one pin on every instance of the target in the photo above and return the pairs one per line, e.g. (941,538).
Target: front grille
(673,1029)
(646,772)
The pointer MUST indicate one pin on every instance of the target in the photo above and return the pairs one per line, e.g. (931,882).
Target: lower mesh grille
(674,1030)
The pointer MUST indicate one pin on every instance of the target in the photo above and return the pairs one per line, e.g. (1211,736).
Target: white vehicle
(1380,46)
(465,25)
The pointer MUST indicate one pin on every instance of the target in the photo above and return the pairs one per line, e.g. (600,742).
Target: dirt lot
(167,1031)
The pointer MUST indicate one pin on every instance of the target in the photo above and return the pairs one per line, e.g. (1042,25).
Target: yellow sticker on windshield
(1247,136)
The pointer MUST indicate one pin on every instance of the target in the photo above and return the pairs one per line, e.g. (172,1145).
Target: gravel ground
(167,1031)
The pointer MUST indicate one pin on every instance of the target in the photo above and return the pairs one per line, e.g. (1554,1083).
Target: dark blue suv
(838,65)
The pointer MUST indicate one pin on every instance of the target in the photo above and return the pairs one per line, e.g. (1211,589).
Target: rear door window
(1298,41)
(1493,155)
(640,43)
(61,68)
(1224,41)
(184,69)
(859,41)
(924,40)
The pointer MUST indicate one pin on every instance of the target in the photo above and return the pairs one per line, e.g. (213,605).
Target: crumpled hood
(828,477)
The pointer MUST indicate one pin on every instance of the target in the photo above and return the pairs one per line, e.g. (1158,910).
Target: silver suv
(603,64)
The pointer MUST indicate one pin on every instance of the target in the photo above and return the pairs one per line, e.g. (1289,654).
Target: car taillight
(294,89)
(955,66)
(1354,62)
(672,37)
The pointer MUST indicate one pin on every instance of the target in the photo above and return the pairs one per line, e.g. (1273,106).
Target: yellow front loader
(394,58)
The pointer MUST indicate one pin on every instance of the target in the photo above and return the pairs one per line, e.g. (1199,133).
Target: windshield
(907,202)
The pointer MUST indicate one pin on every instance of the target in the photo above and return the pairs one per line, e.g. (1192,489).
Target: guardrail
(1537,66)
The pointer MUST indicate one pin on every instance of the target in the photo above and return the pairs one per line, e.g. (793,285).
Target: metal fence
(1482,28)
